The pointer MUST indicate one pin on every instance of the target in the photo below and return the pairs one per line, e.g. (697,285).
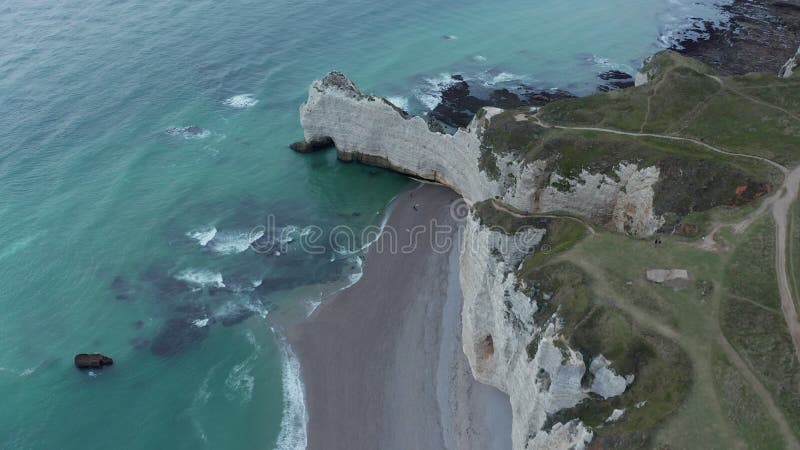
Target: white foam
(241,101)
(400,102)
(203,235)
(201,278)
(430,93)
(355,276)
(293,434)
(233,307)
(189,132)
(230,242)
(479,58)
(606,64)
(240,381)
(502,77)
(200,323)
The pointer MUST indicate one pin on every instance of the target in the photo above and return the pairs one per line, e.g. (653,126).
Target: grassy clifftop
(756,114)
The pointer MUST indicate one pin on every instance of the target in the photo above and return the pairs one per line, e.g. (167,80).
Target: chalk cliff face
(505,347)
(498,325)
(371,130)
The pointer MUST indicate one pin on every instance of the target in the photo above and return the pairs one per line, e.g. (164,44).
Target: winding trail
(780,213)
(781,204)
(508,210)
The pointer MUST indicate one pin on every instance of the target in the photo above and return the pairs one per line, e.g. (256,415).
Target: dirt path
(646,320)
(780,203)
(759,389)
(501,207)
(780,213)
(780,167)
(753,99)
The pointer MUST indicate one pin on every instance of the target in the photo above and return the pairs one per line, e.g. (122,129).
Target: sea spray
(201,278)
(203,235)
(240,101)
(294,424)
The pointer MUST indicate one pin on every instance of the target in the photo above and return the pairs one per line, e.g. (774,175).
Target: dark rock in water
(459,105)
(122,288)
(139,324)
(616,80)
(541,98)
(168,286)
(177,335)
(759,36)
(308,147)
(615,75)
(190,131)
(92,361)
(236,317)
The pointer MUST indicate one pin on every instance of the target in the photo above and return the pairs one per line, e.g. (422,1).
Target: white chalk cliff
(498,320)
(371,130)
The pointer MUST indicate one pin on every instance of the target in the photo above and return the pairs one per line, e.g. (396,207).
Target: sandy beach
(382,361)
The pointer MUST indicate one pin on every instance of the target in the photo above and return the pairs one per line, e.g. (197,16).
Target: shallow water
(143,144)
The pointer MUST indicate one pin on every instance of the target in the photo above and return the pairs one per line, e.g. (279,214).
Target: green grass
(617,264)
(593,327)
(760,335)
(793,265)
(562,234)
(685,101)
(743,408)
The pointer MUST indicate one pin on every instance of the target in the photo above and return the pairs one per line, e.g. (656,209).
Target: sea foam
(201,278)
(230,242)
(203,235)
(293,435)
(240,101)
(400,102)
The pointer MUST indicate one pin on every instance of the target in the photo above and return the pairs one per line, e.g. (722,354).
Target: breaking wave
(230,242)
(400,102)
(201,278)
(293,434)
(429,93)
(203,235)
(240,101)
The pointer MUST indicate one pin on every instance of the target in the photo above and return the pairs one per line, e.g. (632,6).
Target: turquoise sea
(142,144)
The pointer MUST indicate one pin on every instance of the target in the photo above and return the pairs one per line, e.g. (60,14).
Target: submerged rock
(459,104)
(92,361)
(616,79)
(312,145)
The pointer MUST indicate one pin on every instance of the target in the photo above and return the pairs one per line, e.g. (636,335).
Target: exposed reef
(459,104)
(760,36)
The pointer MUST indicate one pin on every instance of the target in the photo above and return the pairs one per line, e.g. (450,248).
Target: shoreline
(381,361)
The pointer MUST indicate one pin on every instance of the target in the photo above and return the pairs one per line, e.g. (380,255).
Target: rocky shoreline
(760,36)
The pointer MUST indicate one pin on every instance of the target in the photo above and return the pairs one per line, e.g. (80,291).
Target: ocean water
(143,149)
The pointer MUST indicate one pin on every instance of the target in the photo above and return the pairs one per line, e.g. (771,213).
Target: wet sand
(382,361)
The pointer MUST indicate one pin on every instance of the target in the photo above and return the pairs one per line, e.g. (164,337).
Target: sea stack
(92,361)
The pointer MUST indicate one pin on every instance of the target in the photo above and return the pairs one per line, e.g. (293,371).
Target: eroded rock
(92,361)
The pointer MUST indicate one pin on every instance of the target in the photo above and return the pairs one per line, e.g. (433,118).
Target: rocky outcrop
(675,278)
(788,68)
(92,361)
(371,130)
(310,146)
(498,325)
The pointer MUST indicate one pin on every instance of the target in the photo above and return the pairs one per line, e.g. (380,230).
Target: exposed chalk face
(498,321)
(372,130)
